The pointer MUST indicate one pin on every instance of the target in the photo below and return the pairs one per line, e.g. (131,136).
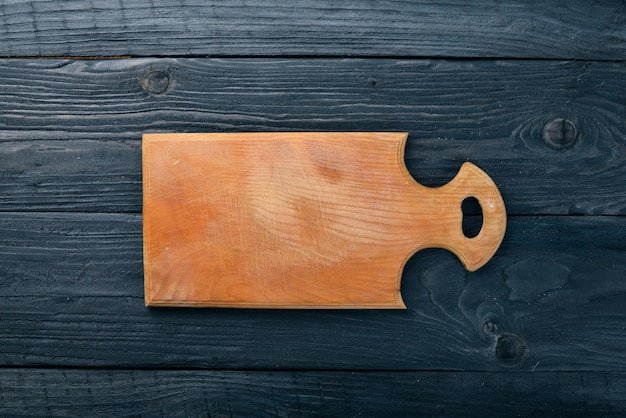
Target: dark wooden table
(533,92)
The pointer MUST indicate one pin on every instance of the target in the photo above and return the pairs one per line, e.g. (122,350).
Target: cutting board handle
(471,181)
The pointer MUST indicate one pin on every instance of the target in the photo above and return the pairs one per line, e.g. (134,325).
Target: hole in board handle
(472,217)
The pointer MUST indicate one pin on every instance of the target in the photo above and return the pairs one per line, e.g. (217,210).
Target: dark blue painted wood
(78,392)
(552,299)
(578,29)
(551,134)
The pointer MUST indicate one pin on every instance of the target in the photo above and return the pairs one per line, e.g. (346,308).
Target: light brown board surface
(313,220)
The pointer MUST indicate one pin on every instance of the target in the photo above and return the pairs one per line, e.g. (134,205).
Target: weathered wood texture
(551,299)
(551,134)
(117,393)
(579,29)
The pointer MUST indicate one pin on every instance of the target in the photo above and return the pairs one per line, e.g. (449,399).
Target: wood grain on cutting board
(298,219)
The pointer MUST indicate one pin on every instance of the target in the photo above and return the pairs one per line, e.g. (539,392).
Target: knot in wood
(490,327)
(510,350)
(156,82)
(560,133)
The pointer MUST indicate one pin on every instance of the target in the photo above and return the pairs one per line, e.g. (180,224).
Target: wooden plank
(72,175)
(552,299)
(478,28)
(550,134)
(54,392)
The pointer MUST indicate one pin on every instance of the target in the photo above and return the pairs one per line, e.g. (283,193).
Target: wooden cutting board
(298,220)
